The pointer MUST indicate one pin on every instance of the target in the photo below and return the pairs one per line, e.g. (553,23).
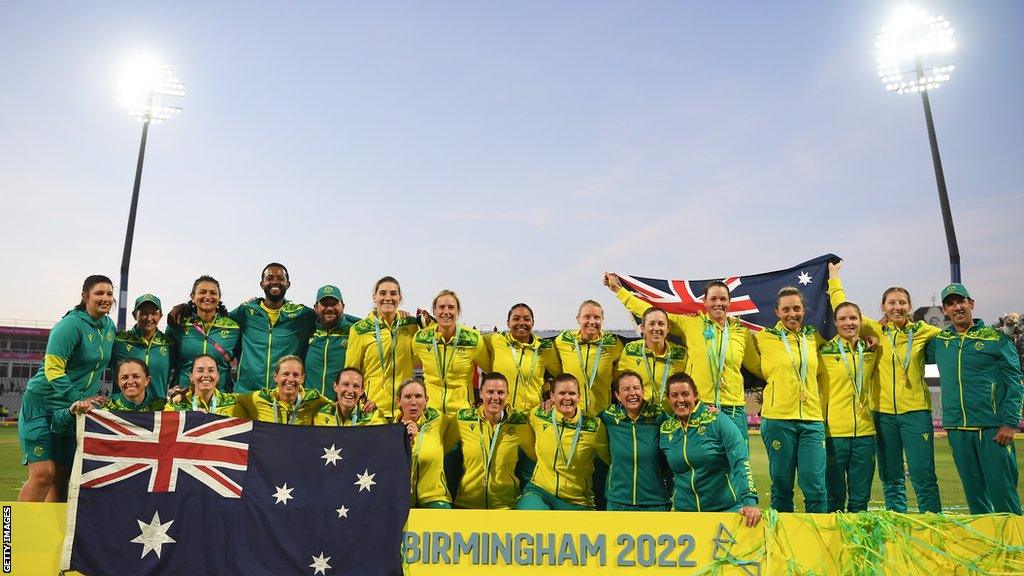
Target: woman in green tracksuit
(636,477)
(708,456)
(204,329)
(77,352)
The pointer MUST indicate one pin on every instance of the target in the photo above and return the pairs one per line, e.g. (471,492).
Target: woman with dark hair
(77,352)
(205,328)
(202,394)
(147,343)
(522,357)
(449,353)
(350,408)
(428,432)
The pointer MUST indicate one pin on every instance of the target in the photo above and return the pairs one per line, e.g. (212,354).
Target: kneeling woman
(289,402)
(132,377)
(708,456)
(428,432)
(567,443)
(202,394)
(491,437)
(349,408)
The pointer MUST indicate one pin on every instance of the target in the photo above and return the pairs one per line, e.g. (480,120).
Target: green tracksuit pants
(738,414)
(796,450)
(911,433)
(535,498)
(849,472)
(988,471)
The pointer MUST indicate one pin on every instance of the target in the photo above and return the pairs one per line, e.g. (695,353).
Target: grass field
(12,474)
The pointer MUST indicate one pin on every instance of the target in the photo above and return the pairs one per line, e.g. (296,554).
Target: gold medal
(803,396)
(721,382)
(906,379)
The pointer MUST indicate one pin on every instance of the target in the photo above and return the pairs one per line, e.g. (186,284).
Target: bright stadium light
(144,87)
(914,52)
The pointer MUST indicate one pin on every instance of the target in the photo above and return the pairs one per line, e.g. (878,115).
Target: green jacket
(636,476)
(77,353)
(189,343)
(709,462)
(325,356)
(157,354)
(980,377)
(263,344)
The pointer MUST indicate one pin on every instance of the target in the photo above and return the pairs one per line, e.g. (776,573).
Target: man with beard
(328,341)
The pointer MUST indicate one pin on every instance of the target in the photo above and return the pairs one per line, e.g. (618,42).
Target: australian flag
(194,493)
(753,296)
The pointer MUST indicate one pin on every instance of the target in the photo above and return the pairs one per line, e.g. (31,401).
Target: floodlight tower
(144,87)
(913,57)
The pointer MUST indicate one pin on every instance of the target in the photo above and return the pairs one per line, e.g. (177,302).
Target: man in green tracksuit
(271,327)
(328,342)
(979,371)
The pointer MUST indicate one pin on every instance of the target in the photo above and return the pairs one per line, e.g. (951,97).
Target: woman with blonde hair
(449,353)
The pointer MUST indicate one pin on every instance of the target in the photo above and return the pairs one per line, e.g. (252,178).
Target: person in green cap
(979,371)
(328,342)
(147,343)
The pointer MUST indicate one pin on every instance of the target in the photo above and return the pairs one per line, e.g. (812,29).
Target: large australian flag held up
(753,296)
(194,493)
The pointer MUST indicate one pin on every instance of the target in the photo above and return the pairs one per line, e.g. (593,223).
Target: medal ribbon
(380,346)
(489,453)
(910,348)
(558,437)
(717,354)
(597,360)
(801,370)
(292,418)
(855,372)
(652,367)
(213,405)
(442,366)
(518,363)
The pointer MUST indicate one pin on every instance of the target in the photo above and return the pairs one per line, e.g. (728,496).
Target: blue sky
(509,151)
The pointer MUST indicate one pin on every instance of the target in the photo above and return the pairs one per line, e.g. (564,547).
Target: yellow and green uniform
(383,352)
(329,415)
(489,457)
(846,375)
(654,369)
(449,366)
(980,375)
(77,352)
(325,355)
(221,404)
(190,342)
(64,421)
(264,406)
(592,362)
(902,403)
(267,335)
(792,427)
(157,353)
(636,478)
(523,365)
(566,449)
(428,483)
(709,462)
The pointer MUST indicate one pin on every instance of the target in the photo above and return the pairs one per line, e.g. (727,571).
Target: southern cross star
(365,480)
(283,494)
(331,455)
(803,278)
(320,565)
(342,512)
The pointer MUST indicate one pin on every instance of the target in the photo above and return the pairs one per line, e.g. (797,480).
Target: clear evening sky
(510,151)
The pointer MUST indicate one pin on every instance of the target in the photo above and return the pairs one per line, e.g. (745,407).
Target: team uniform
(263,406)
(449,366)
(267,335)
(157,353)
(902,405)
(428,483)
(489,457)
(64,421)
(192,337)
(714,356)
(523,365)
(220,403)
(383,353)
(847,376)
(329,415)
(709,462)
(566,450)
(325,355)
(980,375)
(77,352)
(636,479)
(654,369)
(592,362)
(791,427)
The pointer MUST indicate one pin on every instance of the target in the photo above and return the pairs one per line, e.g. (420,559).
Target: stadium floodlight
(913,58)
(143,90)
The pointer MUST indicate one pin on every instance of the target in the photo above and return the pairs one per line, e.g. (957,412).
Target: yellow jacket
(385,362)
(785,397)
(701,334)
(562,471)
(328,416)
(449,366)
(523,365)
(593,364)
(263,406)
(489,465)
(898,391)
(433,441)
(221,403)
(654,369)
(847,413)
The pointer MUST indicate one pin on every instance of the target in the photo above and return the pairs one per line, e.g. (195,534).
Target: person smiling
(77,352)
(328,342)
(707,455)
(449,353)
(203,393)
(348,410)
(204,327)
(522,357)
(288,402)
(133,379)
(589,354)
(431,440)
(146,342)
(654,358)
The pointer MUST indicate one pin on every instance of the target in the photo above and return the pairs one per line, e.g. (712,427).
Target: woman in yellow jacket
(428,431)
(449,353)
(846,374)
(349,408)
(902,402)
(491,437)
(380,346)
(567,444)
(589,354)
(288,402)
(654,358)
(523,358)
(716,345)
(203,394)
